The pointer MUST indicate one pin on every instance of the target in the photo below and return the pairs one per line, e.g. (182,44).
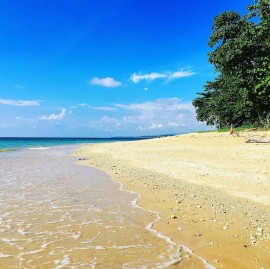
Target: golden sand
(212,191)
(57,214)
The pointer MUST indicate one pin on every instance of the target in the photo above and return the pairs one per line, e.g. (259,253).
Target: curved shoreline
(177,261)
(229,231)
(159,234)
(150,225)
(187,258)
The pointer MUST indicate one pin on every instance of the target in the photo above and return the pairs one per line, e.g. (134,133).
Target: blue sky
(104,68)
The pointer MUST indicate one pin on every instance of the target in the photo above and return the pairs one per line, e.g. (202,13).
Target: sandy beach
(212,191)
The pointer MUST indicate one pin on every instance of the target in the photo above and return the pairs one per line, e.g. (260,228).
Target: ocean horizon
(17,143)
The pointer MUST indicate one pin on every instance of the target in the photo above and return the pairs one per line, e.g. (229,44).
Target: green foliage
(244,127)
(240,94)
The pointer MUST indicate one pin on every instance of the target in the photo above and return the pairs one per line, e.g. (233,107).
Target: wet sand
(57,214)
(212,191)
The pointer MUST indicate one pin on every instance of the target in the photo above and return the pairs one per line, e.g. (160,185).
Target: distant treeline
(240,93)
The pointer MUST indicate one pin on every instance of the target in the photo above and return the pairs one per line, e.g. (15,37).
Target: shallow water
(57,214)
(15,143)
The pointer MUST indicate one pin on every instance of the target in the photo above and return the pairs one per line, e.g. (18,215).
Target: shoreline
(217,223)
(150,226)
(186,257)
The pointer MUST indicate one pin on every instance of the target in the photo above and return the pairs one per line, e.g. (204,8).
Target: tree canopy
(240,93)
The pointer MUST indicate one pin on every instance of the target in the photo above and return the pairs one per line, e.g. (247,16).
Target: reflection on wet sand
(57,214)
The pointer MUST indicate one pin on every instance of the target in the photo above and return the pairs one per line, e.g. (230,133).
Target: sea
(56,213)
(16,143)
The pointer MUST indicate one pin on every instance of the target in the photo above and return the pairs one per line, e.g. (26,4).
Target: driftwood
(251,129)
(258,140)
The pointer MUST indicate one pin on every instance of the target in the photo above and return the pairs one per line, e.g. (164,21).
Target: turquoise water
(14,143)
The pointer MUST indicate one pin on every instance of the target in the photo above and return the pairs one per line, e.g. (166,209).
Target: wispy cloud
(18,102)
(136,78)
(152,76)
(59,116)
(106,123)
(165,104)
(105,82)
(82,105)
(167,115)
(181,74)
(152,126)
(103,108)
(79,105)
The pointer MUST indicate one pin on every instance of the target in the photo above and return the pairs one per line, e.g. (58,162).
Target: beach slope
(212,191)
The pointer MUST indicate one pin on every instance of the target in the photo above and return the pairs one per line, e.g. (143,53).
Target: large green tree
(240,92)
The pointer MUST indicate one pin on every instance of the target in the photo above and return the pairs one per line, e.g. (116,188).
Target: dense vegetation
(240,93)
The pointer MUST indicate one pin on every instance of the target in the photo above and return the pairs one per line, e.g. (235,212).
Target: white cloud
(105,82)
(165,104)
(136,78)
(106,123)
(19,102)
(109,120)
(82,105)
(155,126)
(59,116)
(152,76)
(180,74)
(161,116)
(103,108)
(173,124)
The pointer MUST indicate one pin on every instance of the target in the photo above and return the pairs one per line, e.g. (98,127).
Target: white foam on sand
(63,263)
(2,255)
(76,235)
(175,258)
(21,232)
(40,148)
